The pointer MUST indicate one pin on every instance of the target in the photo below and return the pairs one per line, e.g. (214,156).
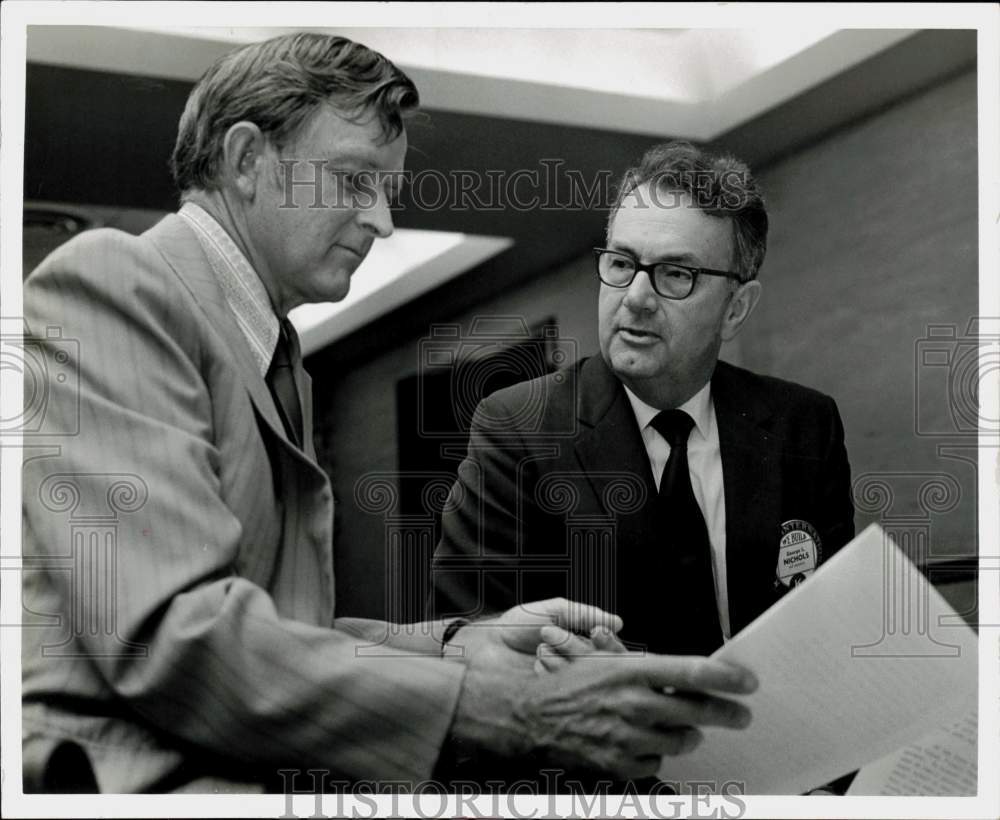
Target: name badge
(799,553)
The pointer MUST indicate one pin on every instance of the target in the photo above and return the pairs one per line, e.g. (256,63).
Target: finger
(574,616)
(703,710)
(649,709)
(631,750)
(694,673)
(566,643)
(550,659)
(637,768)
(686,740)
(605,640)
(621,765)
(658,741)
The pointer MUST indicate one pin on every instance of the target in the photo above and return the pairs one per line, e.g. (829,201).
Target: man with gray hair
(177,533)
(654,480)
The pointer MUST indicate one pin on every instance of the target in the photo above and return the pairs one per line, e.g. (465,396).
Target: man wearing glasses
(653,480)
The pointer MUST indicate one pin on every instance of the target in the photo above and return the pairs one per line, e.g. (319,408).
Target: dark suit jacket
(178,553)
(555,496)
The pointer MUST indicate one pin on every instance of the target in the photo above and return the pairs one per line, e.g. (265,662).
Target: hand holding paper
(862,658)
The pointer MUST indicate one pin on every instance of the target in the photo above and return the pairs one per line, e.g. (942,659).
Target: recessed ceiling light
(397,270)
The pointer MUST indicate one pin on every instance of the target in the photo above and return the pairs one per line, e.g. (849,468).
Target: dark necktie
(281,381)
(691,625)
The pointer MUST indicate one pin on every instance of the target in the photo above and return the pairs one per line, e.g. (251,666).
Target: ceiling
(567,106)
(700,81)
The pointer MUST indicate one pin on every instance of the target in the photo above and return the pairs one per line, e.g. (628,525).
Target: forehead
(329,134)
(668,224)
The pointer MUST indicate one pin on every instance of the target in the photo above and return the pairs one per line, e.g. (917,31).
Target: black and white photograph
(499,410)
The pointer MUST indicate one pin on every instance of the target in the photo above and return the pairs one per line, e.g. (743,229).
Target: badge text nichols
(312,793)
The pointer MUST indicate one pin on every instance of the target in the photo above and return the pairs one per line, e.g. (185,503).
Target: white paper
(861,659)
(942,763)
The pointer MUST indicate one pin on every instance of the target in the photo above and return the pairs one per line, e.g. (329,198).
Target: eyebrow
(362,159)
(683,258)
(394,180)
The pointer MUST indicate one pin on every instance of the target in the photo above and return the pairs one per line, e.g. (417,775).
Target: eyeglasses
(670,280)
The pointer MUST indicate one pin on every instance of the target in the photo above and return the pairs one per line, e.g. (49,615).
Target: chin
(335,289)
(631,364)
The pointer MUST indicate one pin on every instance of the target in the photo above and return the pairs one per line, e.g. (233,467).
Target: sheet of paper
(861,659)
(942,763)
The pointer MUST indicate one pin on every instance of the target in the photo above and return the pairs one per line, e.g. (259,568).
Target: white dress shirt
(705,468)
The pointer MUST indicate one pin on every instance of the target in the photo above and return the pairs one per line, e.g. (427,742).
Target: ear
(244,158)
(741,305)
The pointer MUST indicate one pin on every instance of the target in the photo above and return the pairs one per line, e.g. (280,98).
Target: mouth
(636,335)
(359,254)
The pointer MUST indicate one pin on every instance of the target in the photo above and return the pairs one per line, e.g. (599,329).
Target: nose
(640,296)
(377,219)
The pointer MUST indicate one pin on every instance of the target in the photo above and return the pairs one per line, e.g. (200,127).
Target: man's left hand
(520,631)
(559,647)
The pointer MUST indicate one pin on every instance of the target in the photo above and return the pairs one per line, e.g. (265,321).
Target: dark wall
(357,422)
(873,242)
(99,138)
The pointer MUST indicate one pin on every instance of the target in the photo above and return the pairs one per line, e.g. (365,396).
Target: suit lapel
(751,480)
(610,448)
(176,240)
(305,588)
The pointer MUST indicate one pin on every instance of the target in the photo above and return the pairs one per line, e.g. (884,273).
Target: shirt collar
(697,407)
(245,293)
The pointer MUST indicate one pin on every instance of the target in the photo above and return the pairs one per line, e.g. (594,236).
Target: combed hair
(719,185)
(277,84)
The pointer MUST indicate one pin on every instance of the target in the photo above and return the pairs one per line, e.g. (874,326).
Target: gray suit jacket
(179,589)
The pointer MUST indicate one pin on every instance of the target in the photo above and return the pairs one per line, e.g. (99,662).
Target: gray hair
(277,84)
(719,185)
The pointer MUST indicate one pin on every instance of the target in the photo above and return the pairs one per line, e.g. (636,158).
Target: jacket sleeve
(835,489)
(221,671)
(483,526)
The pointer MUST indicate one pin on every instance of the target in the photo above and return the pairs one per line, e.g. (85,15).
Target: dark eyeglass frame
(648,270)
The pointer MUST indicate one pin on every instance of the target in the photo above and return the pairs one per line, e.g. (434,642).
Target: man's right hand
(616,714)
